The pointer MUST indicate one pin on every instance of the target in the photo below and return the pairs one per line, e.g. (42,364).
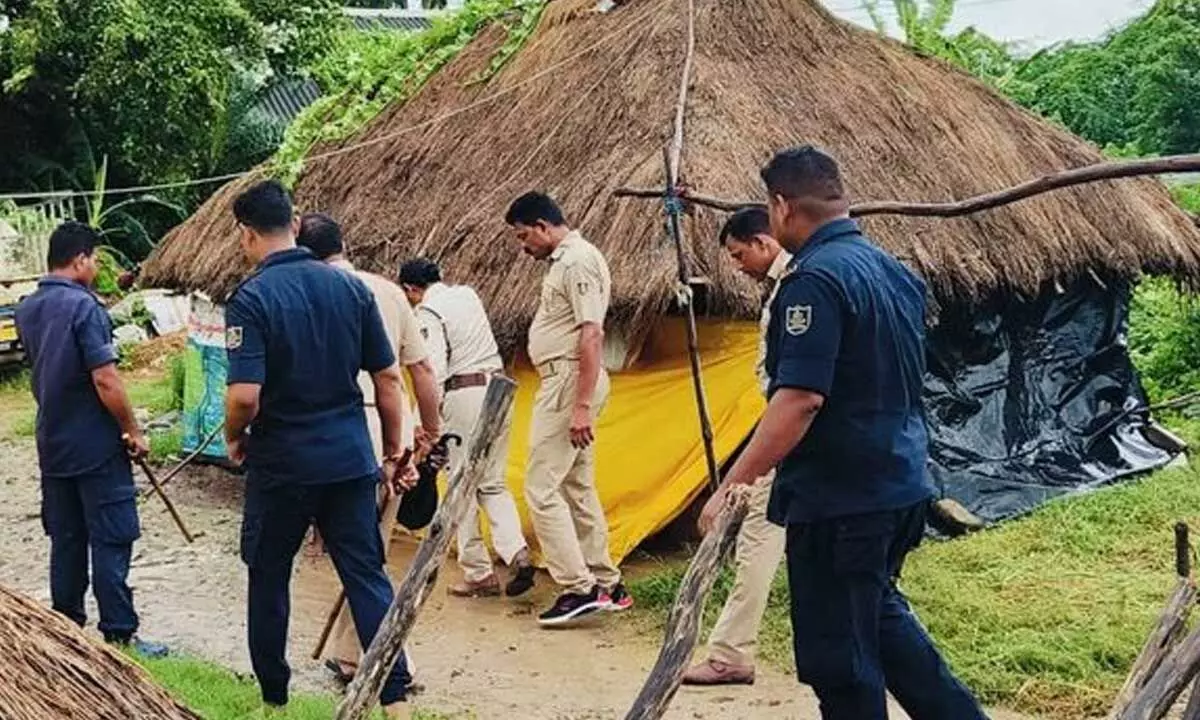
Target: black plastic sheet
(1031,400)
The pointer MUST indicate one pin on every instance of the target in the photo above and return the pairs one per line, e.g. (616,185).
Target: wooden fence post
(683,625)
(381,656)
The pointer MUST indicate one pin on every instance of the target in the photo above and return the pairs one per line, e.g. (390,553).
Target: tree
(160,87)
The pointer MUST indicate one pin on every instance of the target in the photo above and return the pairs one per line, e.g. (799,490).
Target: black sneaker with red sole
(620,599)
(572,606)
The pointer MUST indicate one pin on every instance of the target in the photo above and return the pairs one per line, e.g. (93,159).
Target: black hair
(321,234)
(69,241)
(804,172)
(264,207)
(421,272)
(744,224)
(533,207)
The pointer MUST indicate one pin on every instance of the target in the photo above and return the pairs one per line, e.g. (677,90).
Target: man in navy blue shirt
(845,428)
(88,495)
(297,332)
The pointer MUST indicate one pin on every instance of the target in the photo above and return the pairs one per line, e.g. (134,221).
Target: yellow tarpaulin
(649,455)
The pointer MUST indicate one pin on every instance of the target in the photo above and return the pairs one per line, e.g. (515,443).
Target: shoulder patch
(798,319)
(233,337)
(583,287)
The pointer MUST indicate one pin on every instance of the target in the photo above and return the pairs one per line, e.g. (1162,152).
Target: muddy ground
(483,658)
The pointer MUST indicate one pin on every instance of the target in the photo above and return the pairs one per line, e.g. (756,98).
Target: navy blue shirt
(303,330)
(67,333)
(848,322)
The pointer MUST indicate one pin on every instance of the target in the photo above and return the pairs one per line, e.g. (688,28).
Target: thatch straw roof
(52,670)
(768,74)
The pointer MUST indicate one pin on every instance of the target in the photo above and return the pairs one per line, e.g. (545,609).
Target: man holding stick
(746,236)
(297,334)
(846,429)
(465,356)
(566,346)
(85,434)
(323,237)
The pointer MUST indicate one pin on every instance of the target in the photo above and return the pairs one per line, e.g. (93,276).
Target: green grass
(1043,614)
(218,694)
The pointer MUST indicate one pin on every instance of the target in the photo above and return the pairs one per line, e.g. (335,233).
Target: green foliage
(369,71)
(1164,339)
(162,87)
(1188,197)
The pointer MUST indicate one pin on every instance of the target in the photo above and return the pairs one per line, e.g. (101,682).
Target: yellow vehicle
(12,291)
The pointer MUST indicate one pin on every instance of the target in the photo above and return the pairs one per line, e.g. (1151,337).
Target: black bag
(418,505)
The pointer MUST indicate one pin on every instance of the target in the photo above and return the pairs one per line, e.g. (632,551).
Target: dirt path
(484,659)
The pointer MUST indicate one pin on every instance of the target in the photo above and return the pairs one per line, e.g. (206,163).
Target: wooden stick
(1054,181)
(1182,401)
(170,505)
(379,658)
(186,461)
(1172,623)
(672,159)
(683,625)
(1167,683)
(1192,711)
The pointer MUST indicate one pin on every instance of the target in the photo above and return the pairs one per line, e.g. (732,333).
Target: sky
(1030,23)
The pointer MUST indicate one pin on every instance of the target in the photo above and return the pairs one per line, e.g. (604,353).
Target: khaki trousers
(760,548)
(343,644)
(460,410)
(560,485)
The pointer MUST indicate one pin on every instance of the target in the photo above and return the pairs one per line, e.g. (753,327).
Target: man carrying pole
(85,434)
(298,332)
(566,342)
(464,354)
(746,236)
(323,237)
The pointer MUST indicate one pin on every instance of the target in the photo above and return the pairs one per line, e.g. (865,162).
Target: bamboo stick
(683,624)
(381,656)
(1046,183)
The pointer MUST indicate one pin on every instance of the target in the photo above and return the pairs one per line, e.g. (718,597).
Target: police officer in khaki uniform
(566,346)
(747,238)
(323,237)
(465,356)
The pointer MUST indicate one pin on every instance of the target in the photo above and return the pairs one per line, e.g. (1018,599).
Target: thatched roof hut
(53,670)
(586,106)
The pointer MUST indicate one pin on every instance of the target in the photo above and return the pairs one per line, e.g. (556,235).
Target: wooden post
(381,656)
(1172,623)
(1167,683)
(1055,181)
(683,625)
(1192,711)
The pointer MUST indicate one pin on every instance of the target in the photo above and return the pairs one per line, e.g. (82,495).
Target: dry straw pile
(52,670)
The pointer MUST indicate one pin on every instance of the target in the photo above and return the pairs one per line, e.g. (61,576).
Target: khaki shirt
(774,273)
(457,333)
(576,290)
(402,330)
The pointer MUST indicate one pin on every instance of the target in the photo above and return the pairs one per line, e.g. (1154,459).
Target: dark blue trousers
(96,511)
(274,523)
(855,635)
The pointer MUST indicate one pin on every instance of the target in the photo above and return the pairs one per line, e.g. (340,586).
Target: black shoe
(620,597)
(571,606)
(522,578)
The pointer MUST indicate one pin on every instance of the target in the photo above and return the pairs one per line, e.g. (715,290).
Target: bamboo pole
(1171,624)
(1046,183)
(672,159)
(389,640)
(683,624)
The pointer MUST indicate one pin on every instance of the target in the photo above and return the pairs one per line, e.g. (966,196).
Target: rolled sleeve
(808,315)
(585,290)
(245,341)
(93,332)
(377,353)
(410,346)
